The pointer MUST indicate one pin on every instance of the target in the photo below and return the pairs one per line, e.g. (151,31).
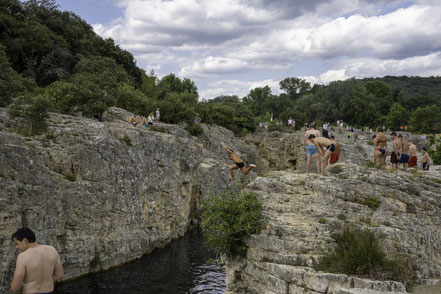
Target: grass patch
(70,177)
(438,181)
(159,129)
(229,218)
(302,183)
(372,202)
(194,129)
(50,136)
(31,145)
(126,139)
(358,252)
(371,164)
(322,220)
(370,142)
(341,217)
(2,175)
(96,261)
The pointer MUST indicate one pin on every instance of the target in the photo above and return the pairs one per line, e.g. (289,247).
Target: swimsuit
(311,150)
(383,151)
(394,158)
(412,161)
(331,148)
(425,165)
(239,164)
(334,157)
(404,158)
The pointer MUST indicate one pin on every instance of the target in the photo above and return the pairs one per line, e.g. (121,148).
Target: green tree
(426,119)
(295,87)
(396,117)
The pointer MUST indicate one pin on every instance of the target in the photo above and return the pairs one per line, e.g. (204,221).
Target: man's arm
(225,148)
(58,270)
(20,270)
(319,148)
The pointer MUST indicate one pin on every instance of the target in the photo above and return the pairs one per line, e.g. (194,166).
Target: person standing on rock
(380,144)
(158,115)
(322,143)
(412,153)
(426,158)
(311,149)
(237,163)
(150,119)
(404,159)
(37,267)
(397,150)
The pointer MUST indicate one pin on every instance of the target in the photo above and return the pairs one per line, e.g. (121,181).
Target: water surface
(181,267)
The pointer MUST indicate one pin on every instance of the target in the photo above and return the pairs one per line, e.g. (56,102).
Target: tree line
(52,60)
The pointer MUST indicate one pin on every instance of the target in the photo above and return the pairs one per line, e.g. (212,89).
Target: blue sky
(229,47)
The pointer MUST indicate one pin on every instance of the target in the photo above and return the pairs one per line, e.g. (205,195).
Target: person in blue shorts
(311,149)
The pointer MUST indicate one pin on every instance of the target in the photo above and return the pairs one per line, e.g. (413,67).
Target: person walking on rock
(37,267)
(158,115)
(311,149)
(237,163)
(380,144)
(322,143)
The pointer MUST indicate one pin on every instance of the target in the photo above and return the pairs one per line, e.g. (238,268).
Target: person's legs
(231,169)
(325,160)
(317,162)
(247,170)
(308,163)
(377,157)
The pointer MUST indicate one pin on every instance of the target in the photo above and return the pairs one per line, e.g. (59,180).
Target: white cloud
(225,39)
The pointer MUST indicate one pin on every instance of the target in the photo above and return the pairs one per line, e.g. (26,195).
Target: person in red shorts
(336,154)
(412,152)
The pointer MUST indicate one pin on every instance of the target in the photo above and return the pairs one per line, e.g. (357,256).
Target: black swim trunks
(331,148)
(239,164)
(382,150)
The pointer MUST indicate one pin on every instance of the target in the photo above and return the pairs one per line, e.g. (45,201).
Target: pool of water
(181,267)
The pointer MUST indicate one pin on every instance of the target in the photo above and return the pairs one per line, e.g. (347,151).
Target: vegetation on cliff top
(358,252)
(56,56)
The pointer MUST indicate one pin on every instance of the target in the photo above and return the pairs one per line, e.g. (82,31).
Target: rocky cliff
(103,193)
(305,211)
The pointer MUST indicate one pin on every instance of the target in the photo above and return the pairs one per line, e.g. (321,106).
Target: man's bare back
(39,262)
(311,131)
(412,149)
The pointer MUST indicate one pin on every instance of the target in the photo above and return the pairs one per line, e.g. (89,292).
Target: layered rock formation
(103,193)
(304,211)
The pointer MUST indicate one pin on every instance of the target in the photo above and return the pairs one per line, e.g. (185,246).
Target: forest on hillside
(51,60)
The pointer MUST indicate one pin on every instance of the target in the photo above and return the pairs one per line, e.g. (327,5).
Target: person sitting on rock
(404,159)
(150,119)
(237,163)
(144,122)
(322,143)
(380,144)
(197,120)
(397,147)
(426,158)
(336,154)
(133,120)
(412,153)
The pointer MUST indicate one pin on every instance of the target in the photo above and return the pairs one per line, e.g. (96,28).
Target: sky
(228,47)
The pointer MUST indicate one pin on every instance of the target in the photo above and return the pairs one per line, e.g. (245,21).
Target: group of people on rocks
(403,152)
(146,122)
(324,148)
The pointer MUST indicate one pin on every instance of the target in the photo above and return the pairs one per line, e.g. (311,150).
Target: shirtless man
(237,163)
(397,150)
(404,159)
(412,152)
(426,158)
(311,149)
(380,144)
(321,143)
(133,120)
(38,266)
(336,154)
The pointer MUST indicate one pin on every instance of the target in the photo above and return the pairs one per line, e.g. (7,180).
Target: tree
(259,100)
(295,87)
(396,117)
(426,120)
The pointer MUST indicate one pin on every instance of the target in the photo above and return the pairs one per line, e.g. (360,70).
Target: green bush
(435,155)
(126,139)
(372,202)
(228,218)
(276,127)
(243,132)
(34,113)
(194,129)
(159,129)
(358,252)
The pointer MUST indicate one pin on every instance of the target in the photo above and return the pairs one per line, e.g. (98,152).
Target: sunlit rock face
(304,211)
(103,193)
